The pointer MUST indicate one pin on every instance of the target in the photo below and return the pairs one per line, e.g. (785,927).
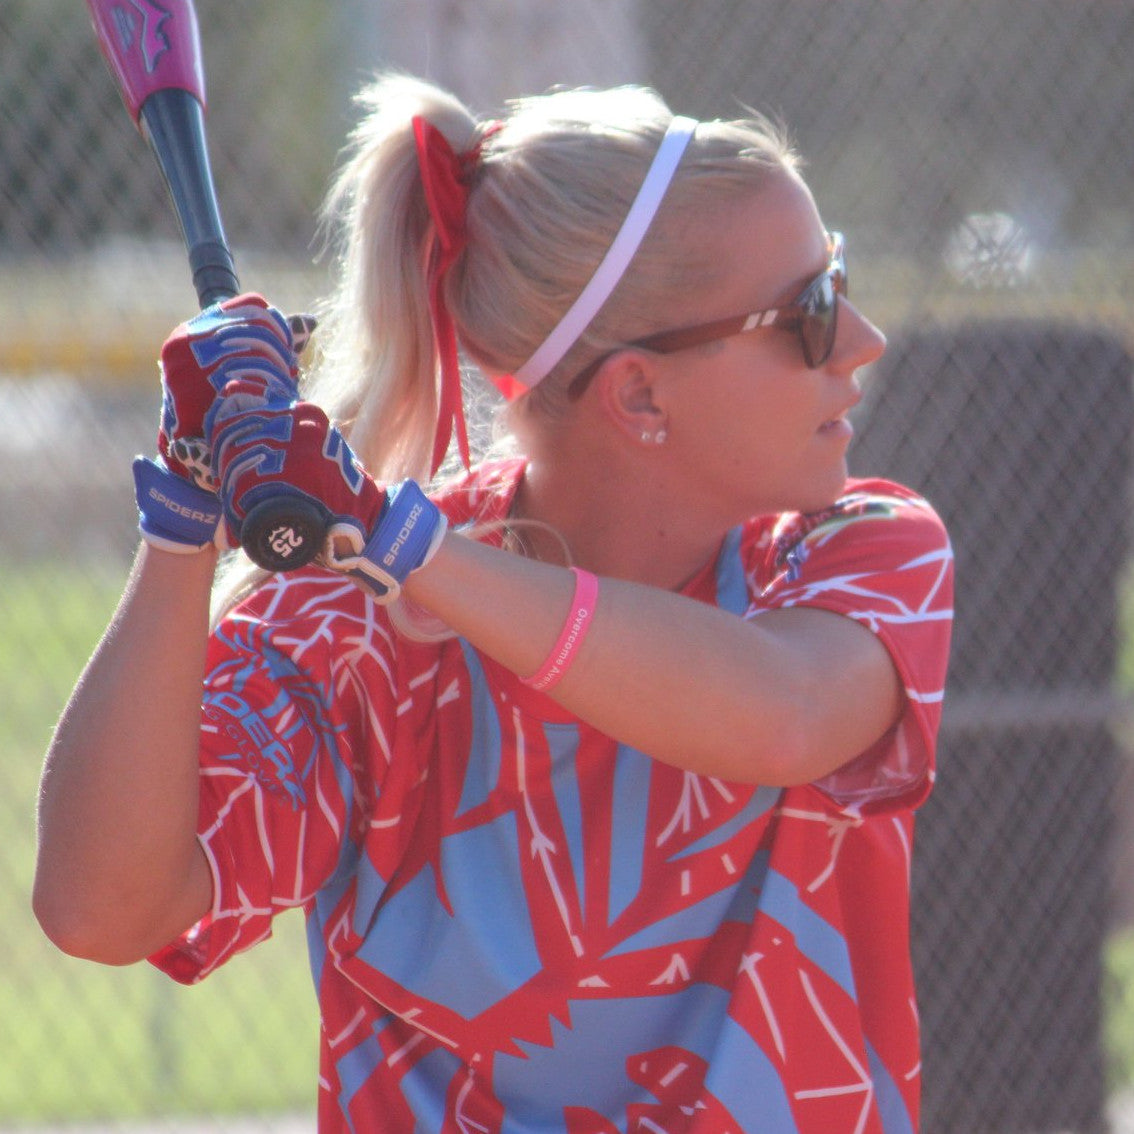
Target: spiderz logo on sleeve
(257,746)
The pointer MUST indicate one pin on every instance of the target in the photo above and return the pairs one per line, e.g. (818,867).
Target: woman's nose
(858,341)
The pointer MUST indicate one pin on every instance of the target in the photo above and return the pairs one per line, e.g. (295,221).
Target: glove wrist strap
(407,537)
(173,514)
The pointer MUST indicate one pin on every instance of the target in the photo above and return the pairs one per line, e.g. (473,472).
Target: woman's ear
(628,391)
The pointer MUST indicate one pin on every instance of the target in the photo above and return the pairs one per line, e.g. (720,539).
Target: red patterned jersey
(518,924)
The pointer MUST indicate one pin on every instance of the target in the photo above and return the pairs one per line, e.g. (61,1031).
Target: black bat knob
(283,533)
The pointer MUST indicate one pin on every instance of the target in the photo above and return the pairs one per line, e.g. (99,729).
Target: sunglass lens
(817,326)
(839,263)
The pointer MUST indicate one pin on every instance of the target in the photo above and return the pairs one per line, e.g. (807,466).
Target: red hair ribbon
(445,176)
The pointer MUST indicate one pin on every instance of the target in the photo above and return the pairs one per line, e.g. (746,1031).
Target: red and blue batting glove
(243,339)
(267,448)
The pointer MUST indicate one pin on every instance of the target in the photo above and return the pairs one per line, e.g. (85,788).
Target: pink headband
(445,176)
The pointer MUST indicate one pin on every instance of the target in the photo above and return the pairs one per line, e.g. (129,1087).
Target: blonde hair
(553,184)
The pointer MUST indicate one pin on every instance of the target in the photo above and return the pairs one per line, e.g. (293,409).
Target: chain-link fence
(976,152)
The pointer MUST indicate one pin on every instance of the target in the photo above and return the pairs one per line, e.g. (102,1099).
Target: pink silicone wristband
(575,628)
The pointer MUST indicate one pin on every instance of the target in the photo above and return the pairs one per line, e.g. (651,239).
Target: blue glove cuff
(405,539)
(173,513)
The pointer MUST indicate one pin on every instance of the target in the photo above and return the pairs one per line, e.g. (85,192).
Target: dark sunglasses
(813,315)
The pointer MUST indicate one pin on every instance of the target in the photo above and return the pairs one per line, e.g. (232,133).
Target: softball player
(593,768)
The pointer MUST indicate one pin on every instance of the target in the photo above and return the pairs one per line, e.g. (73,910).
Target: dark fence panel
(1019,433)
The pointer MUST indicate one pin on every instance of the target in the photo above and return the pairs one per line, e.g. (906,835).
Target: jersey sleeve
(299,682)
(881,556)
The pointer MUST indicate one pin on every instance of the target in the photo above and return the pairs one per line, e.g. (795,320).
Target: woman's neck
(612,521)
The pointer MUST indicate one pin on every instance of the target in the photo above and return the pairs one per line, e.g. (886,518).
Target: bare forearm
(681,680)
(119,870)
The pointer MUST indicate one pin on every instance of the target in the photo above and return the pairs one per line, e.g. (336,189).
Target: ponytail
(377,369)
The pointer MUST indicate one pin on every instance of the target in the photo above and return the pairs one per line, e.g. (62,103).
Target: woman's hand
(266,447)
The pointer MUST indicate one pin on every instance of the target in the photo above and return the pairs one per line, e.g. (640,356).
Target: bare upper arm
(846,687)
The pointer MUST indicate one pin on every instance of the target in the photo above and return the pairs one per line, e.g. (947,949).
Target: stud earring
(660,437)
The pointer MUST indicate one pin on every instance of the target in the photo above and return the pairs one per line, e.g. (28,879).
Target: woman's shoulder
(863,499)
(870,510)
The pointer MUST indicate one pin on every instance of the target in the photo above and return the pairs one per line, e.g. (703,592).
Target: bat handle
(174,123)
(213,275)
(282,532)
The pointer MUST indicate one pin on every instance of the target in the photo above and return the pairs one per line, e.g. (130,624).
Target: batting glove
(268,448)
(242,339)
